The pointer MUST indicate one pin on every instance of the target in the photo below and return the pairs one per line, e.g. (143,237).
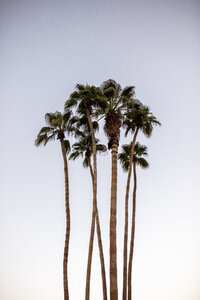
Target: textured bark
(67,234)
(113,224)
(132,234)
(89,263)
(95,216)
(124,294)
(101,254)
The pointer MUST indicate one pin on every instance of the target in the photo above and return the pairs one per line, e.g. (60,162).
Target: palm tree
(85,98)
(124,157)
(137,118)
(58,124)
(114,101)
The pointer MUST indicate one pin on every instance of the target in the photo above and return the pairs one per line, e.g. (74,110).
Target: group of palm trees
(84,109)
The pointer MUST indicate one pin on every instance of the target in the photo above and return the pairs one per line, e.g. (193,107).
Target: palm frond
(66,116)
(50,138)
(139,151)
(110,83)
(49,117)
(124,160)
(70,103)
(142,162)
(46,130)
(74,155)
(67,146)
(41,139)
(85,162)
(128,92)
(101,148)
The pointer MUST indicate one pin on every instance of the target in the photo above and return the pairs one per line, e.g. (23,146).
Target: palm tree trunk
(67,234)
(113,224)
(94,216)
(89,263)
(103,273)
(132,234)
(126,218)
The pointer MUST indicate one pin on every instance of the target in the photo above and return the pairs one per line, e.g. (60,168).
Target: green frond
(80,87)
(66,116)
(142,162)
(80,147)
(46,130)
(49,117)
(78,133)
(124,160)
(128,92)
(41,139)
(129,125)
(139,116)
(110,83)
(71,102)
(109,92)
(95,126)
(55,123)
(50,138)
(101,148)
(85,162)
(67,146)
(147,129)
(139,150)
(74,155)
(74,120)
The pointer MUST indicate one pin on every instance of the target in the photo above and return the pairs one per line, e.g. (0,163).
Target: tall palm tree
(85,98)
(124,157)
(114,102)
(58,124)
(137,118)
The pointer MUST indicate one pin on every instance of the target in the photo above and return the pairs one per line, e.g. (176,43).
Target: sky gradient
(47,47)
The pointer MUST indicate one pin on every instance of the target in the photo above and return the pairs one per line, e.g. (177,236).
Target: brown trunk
(113,224)
(103,272)
(67,235)
(126,218)
(104,286)
(89,263)
(94,216)
(132,234)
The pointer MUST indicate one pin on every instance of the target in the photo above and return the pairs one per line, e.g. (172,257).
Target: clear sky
(46,48)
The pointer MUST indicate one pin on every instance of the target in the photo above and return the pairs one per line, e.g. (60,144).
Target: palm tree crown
(139,151)
(114,101)
(85,97)
(139,116)
(58,124)
(83,148)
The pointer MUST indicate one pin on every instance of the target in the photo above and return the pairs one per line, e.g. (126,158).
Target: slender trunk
(104,286)
(132,234)
(113,224)
(91,171)
(126,218)
(101,254)
(89,263)
(67,234)
(94,216)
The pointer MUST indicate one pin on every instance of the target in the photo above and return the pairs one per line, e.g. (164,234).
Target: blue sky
(46,48)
